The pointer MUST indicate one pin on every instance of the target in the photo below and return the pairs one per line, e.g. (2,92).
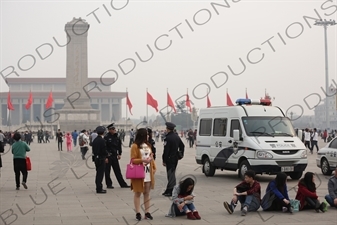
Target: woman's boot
(190,216)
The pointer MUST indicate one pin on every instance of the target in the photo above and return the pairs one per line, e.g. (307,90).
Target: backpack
(81,141)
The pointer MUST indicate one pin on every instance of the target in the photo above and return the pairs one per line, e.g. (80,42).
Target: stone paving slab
(61,190)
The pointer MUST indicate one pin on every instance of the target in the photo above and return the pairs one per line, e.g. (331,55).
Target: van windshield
(268,126)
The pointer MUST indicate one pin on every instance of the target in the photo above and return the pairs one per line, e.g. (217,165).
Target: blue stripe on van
(207,146)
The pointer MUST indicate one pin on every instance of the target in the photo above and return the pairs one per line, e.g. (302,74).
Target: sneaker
(148,216)
(196,215)
(323,207)
(228,207)
(17,188)
(291,210)
(244,211)
(284,209)
(24,185)
(138,217)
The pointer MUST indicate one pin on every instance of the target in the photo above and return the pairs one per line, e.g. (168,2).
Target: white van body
(267,142)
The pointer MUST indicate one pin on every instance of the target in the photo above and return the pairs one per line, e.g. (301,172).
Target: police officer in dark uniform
(114,147)
(172,145)
(100,156)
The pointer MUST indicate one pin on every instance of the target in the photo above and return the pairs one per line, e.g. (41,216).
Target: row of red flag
(29,103)
(149,101)
(152,102)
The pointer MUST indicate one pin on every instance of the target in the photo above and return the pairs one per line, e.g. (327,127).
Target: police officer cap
(170,125)
(111,126)
(100,129)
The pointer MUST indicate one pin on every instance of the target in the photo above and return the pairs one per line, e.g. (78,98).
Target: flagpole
(147,108)
(126,109)
(188,124)
(227,96)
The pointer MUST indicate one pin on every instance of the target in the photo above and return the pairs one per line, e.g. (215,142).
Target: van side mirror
(299,134)
(236,135)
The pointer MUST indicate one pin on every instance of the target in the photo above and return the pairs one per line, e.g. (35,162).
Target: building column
(110,108)
(20,111)
(41,114)
(99,101)
(120,108)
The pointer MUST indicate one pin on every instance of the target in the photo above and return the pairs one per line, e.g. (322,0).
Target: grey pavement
(61,190)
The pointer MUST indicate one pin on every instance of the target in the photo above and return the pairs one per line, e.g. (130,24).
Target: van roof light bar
(244,101)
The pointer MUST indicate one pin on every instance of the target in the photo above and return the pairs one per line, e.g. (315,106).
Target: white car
(327,157)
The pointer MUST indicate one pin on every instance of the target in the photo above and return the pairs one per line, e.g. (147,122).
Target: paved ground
(61,190)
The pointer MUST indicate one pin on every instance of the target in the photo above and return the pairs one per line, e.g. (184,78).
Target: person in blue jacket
(276,197)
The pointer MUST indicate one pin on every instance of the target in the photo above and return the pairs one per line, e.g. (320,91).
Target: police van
(251,135)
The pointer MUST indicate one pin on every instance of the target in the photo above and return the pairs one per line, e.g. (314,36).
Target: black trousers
(277,205)
(59,145)
(114,163)
(311,203)
(84,151)
(313,144)
(20,167)
(131,142)
(100,167)
(171,176)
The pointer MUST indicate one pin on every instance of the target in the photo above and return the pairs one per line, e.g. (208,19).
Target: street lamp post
(325,24)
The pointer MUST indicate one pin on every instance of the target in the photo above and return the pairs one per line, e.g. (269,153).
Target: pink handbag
(135,171)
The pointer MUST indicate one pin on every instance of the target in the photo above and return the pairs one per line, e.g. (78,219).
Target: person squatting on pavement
(276,197)
(19,149)
(331,198)
(248,193)
(173,147)
(100,158)
(114,147)
(141,153)
(307,195)
(183,200)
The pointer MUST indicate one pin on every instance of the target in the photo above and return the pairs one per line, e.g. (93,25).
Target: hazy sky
(292,66)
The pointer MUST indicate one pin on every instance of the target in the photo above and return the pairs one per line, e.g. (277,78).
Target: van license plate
(287,169)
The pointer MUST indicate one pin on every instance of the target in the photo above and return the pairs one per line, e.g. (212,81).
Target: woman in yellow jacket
(141,153)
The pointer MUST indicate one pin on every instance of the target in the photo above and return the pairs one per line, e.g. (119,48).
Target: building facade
(101,98)
(320,110)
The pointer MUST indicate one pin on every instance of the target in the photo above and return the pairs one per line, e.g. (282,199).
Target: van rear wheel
(244,166)
(208,168)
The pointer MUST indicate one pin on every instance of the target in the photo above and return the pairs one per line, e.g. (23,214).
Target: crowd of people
(106,144)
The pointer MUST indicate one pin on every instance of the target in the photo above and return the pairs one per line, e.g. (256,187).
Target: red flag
(188,102)
(30,101)
(9,102)
(170,102)
(128,102)
(50,100)
(229,101)
(208,102)
(152,102)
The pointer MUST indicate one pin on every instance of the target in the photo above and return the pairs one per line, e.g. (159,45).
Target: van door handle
(230,141)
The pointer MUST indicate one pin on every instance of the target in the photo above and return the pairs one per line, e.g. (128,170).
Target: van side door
(220,136)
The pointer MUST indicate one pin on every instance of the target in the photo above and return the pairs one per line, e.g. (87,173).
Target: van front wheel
(208,168)
(244,166)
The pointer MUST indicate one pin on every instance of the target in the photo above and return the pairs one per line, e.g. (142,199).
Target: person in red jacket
(306,193)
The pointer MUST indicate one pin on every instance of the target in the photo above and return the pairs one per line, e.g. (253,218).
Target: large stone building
(320,110)
(108,102)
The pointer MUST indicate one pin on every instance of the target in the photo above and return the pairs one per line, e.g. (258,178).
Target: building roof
(52,80)
(62,95)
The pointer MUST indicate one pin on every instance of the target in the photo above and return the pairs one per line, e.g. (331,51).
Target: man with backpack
(83,141)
